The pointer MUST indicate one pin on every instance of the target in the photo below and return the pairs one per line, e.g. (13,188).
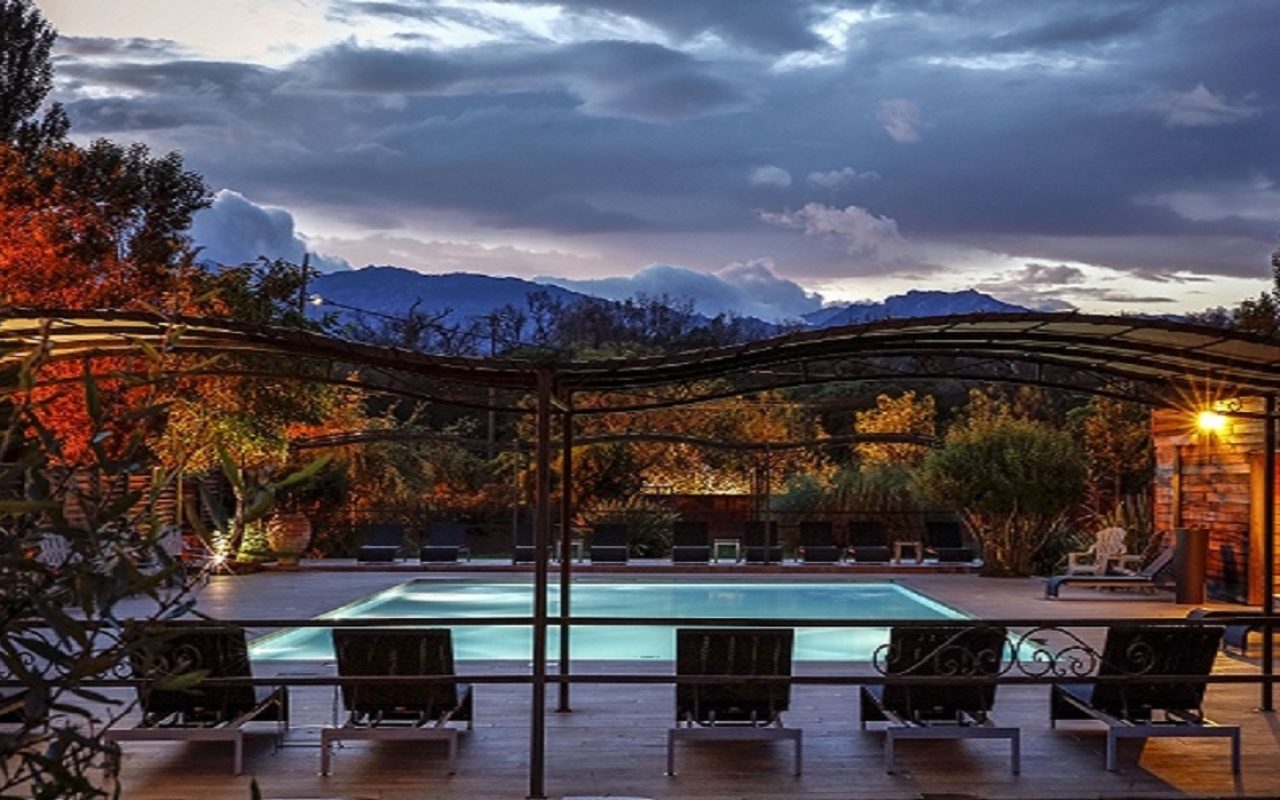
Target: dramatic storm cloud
(235,230)
(860,148)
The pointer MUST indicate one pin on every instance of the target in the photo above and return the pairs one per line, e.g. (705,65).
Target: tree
(59,620)
(97,227)
(26,76)
(1259,315)
(904,414)
(695,468)
(1116,437)
(1014,479)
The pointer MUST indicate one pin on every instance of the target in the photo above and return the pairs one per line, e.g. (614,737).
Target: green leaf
(92,400)
(306,473)
(230,469)
(262,503)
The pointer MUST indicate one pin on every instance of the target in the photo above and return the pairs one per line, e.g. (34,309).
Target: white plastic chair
(1108,548)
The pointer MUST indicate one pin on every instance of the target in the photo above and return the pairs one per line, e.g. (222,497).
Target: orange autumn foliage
(63,245)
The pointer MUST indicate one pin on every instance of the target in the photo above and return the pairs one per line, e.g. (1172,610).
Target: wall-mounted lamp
(1211,422)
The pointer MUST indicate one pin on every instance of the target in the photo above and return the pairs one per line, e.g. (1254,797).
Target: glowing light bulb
(1211,422)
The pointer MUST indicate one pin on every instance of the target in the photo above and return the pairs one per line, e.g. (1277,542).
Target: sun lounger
(397,711)
(610,543)
(215,712)
(868,542)
(1151,577)
(760,542)
(445,542)
(1235,636)
(945,539)
(523,552)
(689,543)
(728,709)
(1129,709)
(380,542)
(947,708)
(818,542)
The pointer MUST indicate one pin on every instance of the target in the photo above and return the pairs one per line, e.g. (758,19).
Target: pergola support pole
(1268,552)
(541,536)
(566,543)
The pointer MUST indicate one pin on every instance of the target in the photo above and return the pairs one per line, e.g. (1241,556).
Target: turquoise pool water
(427,599)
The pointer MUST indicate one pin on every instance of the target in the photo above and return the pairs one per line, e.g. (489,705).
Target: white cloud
(836,178)
(1258,199)
(1201,108)
(749,288)
(441,255)
(858,231)
(901,119)
(770,176)
(235,230)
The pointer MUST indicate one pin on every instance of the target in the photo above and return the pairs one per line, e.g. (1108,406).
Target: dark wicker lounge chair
(945,540)
(524,553)
(1154,576)
(610,543)
(202,713)
(397,711)
(728,709)
(1129,708)
(818,542)
(380,542)
(868,542)
(946,709)
(445,542)
(760,542)
(689,543)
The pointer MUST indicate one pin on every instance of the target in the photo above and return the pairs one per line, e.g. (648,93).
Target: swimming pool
(427,599)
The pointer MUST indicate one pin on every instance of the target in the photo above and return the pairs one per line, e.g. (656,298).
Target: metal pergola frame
(1159,363)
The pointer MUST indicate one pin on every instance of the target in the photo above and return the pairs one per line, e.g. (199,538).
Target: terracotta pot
(289,535)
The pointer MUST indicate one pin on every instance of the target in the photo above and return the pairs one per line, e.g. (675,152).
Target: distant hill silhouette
(394,290)
(915,303)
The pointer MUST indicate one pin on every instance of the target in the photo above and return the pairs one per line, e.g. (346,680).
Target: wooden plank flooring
(613,743)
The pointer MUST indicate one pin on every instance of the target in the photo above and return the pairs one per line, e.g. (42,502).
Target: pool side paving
(613,742)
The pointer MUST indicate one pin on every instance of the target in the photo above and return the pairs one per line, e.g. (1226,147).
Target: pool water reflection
(428,599)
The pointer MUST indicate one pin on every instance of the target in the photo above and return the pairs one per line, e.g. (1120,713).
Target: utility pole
(302,284)
(493,393)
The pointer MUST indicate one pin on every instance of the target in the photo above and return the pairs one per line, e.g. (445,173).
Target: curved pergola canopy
(1158,362)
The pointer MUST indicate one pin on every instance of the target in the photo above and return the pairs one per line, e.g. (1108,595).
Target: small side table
(733,545)
(916,548)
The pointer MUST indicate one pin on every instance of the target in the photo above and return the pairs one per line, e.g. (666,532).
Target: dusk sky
(1113,156)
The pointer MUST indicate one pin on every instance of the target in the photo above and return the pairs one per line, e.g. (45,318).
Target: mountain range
(394,291)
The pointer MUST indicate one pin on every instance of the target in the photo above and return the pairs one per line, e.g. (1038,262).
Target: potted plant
(288,534)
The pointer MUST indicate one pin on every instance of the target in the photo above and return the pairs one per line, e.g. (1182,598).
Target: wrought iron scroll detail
(1042,652)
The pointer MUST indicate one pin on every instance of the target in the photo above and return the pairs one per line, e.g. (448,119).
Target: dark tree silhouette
(26,76)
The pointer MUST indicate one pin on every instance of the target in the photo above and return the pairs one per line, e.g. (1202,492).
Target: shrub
(648,523)
(1014,479)
(76,539)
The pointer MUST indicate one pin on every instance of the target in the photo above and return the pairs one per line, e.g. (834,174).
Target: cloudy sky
(1114,156)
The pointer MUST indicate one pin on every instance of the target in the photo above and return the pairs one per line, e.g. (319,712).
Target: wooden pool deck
(613,742)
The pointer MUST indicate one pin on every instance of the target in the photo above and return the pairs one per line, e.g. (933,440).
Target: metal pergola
(1159,363)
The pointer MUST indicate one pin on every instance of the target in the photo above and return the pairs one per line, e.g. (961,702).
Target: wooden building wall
(1214,481)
